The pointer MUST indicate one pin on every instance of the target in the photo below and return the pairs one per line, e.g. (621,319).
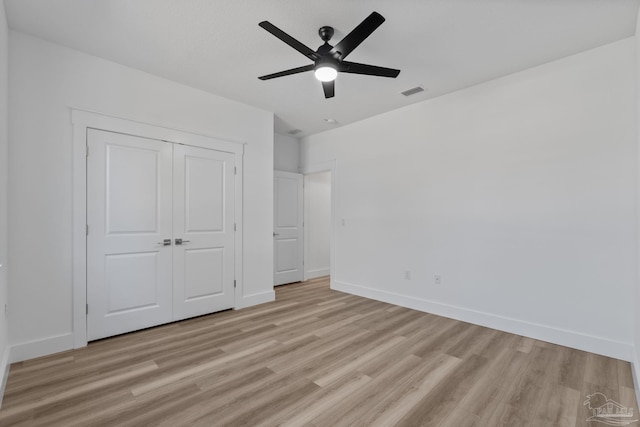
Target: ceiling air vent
(294,131)
(412,91)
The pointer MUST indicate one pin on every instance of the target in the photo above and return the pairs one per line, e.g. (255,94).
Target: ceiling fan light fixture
(326,73)
(328,60)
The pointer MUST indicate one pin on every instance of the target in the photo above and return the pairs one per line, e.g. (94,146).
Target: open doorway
(317,224)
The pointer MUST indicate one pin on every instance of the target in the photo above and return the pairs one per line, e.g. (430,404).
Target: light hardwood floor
(314,357)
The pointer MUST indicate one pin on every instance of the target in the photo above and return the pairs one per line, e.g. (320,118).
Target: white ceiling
(217,46)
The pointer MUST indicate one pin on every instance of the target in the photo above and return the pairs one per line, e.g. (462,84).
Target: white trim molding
(42,347)
(83,121)
(564,337)
(635,372)
(312,274)
(4,368)
(255,299)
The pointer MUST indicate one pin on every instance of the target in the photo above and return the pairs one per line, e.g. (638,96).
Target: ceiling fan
(329,60)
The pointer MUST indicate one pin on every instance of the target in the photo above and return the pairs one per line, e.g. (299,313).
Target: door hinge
(87,308)
(87,229)
(235,228)
(87,151)
(235,170)
(234,283)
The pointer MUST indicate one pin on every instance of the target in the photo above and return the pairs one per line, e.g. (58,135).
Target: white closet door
(203,228)
(129,208)
(287,228)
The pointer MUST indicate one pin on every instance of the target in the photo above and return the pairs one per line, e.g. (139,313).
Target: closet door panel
(129,209)
(203,229)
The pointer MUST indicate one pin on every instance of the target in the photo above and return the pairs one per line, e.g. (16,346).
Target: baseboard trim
(312,274)
(567,338)
(58,343)
(4,367)
(42,347)
(255,299)
(635,372)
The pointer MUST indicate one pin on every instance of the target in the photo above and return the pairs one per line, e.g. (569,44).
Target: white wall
(317,224)
(285,153)
(46,80)
(4,175)
(520,192)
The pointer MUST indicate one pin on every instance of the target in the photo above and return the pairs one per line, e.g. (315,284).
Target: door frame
(328,166)
(82,121)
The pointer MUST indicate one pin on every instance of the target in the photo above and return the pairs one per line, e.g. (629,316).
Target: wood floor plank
(556,407)
(250,412)
(460,418)
(488,391)
(344,367)
(446,338)
(601,371)
(628,399)
(507,415)
(299,358)
(495,343)
(323,401)
(382,363)
(51,401)
(408,391)
(572,368)
(583,411)
(234,367)
(443,398)
(472,343)
(625,377)
(369,395)
(198,369)
(314,357)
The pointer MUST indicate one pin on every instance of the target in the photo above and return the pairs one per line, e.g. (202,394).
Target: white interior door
(129,208)
(287,228)
(160,241)
(203,229)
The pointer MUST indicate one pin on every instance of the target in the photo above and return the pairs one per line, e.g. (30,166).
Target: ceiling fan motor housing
(325,33)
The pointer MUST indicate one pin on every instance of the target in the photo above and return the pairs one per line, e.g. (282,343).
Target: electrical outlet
(407,275)
(437,279)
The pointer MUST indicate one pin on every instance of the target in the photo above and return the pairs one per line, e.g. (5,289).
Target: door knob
(165,242)
(180,241)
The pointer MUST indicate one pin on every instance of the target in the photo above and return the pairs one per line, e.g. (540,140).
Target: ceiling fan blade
(358,35)
(287,72)
(306,51)
(329,88)
(370,70)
